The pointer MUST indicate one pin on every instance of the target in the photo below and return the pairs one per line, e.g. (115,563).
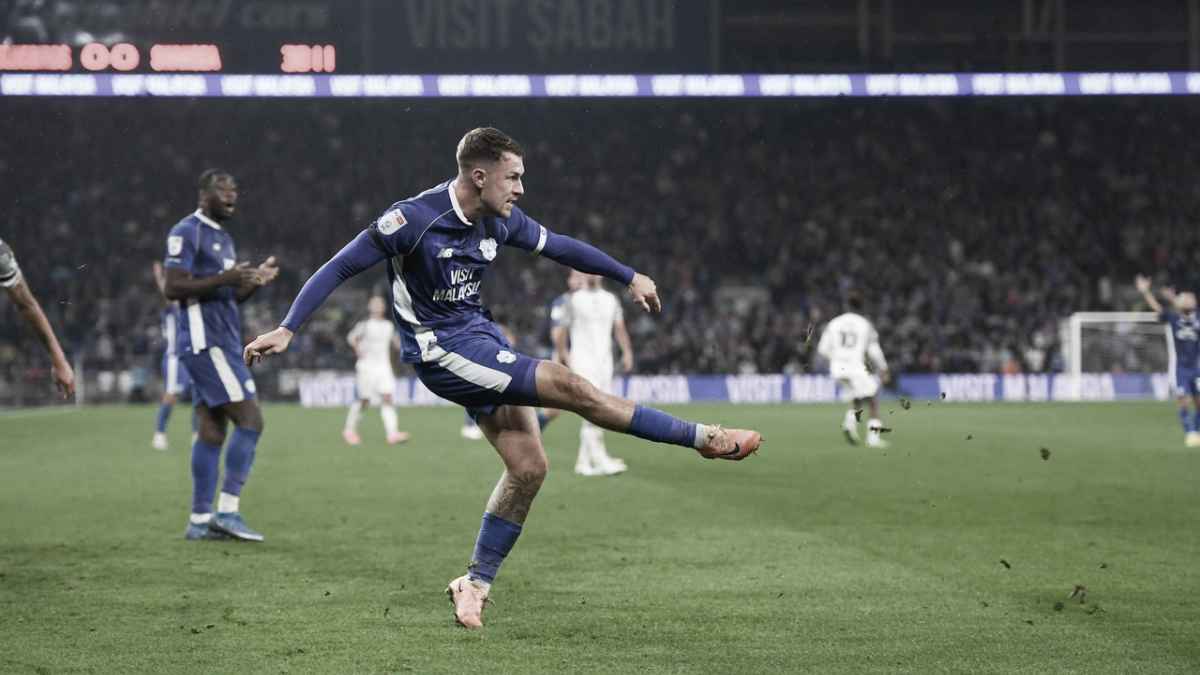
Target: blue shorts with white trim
(481,373)
(176,379)
(218,376)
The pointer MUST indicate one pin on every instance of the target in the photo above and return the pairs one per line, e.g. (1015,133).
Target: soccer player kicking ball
(438,246)
(372,342)
(1185,338)
(203,274)
(848,341)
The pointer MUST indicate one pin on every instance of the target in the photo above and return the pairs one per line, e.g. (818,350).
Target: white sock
(873,427)
(353,415)
(584,458)
(596,443)
(199,518)
(227,503)
(850,420)
(388,413)
(701,436)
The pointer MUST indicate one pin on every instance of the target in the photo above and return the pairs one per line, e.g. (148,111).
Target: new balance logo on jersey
(446,253)
(505,356)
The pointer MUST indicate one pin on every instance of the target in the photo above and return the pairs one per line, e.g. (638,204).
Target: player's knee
(531,470)
(210,434)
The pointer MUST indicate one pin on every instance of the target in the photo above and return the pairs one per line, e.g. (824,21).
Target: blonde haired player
(372,340)
(591,317)
(847,342)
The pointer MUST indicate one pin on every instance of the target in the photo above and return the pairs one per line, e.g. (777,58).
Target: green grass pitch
(940,554)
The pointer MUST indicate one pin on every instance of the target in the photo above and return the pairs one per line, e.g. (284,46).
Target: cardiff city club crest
(488,248)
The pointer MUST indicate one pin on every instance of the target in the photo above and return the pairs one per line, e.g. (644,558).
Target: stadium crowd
(973,227)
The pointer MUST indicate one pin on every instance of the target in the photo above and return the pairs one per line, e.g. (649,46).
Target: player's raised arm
(360,254)
(526,233)
(1143,286)
(22,296)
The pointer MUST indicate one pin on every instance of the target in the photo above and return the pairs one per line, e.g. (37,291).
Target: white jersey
(374,338)
(848,341)
(589,315)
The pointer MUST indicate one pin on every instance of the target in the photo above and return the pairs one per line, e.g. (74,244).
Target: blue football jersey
(556,315)
(200,246)
(1185,336)
(437,262)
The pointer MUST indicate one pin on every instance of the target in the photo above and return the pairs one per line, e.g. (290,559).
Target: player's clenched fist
(645,293)
(275,342)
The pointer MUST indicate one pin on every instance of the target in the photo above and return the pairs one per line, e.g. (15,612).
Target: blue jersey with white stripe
(170,329)
(438,260)
(1185,336)
(201,247)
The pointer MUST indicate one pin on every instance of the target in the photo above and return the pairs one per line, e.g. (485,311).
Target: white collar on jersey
(206,220)
(454,203)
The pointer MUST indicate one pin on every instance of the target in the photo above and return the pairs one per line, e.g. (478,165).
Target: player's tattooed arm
(60,368)
(514,495)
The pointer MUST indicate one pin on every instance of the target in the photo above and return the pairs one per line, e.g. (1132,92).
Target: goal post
(1102,342)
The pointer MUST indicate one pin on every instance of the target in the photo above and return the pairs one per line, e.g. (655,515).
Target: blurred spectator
(973,227)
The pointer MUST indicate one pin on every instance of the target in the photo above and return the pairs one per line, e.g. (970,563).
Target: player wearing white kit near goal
(591,316)
(372,340)
(847,342)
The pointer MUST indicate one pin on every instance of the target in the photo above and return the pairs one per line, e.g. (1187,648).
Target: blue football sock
(656,425)
(496,539)
(543,419)
(206,461)
(164,415)
(239,459)
(1196,420)
(1186,420)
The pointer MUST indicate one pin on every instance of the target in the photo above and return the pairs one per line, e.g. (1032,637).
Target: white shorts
(374,380)
(599,374)
(856,382)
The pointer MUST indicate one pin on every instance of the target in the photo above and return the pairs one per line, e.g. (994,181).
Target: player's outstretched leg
(248,427)
(159,441)
(513,431)
(559,387)
(206,463)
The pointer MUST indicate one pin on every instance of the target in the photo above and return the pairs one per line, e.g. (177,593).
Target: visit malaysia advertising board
(323,389)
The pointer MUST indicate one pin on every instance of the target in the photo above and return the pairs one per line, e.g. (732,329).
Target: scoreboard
(359,36)
(124,57)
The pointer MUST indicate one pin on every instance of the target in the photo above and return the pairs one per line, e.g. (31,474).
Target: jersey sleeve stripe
(542,236)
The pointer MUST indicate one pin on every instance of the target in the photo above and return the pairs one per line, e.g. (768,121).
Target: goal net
(1116,342)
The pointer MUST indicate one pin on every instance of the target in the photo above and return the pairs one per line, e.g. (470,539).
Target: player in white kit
(848,341)
(590,317)
(372,341)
